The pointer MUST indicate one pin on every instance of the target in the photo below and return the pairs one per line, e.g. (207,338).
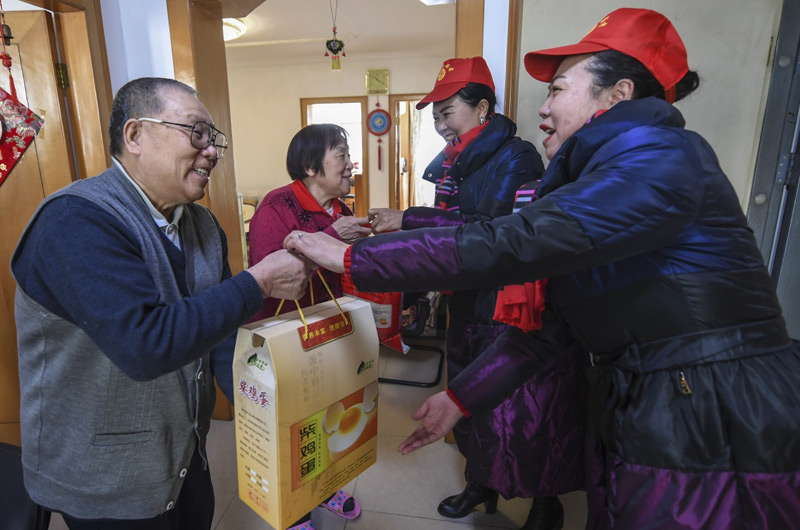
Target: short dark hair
(138,98)
(473,93)
(609,66)
(307,148)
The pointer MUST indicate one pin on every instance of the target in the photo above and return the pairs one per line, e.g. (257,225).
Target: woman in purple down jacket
(531,445)
(694,381)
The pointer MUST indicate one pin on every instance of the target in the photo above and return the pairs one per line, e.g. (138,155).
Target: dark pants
(193,510)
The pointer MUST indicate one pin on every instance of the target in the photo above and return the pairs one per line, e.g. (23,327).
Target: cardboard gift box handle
(299,310)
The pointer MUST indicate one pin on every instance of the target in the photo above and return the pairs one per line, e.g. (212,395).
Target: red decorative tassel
(14,97)
(380,158)
(13,88)
(7,60)
(7,63)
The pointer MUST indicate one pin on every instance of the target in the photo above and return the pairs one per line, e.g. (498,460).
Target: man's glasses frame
(196,134)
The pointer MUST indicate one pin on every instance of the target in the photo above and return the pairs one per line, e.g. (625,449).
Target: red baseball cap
(455,75)
(643,34)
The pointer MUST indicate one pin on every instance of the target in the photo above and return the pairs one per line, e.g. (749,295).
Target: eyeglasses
(201,134)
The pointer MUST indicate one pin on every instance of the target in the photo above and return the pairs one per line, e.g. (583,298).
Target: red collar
(309,203)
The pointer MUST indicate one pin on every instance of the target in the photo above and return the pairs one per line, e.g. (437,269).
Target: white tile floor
(398,492)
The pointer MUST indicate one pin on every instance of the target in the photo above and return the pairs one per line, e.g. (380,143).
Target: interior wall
(137,40)
(728,43)
(265,108)
(495,44)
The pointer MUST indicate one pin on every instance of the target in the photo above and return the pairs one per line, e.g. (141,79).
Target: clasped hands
(285,274)
(327,251)
(378,221)
(439,413)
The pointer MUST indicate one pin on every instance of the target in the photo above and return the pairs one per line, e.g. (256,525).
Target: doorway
(70,145)
(773,206)
(46,166)
(415,143)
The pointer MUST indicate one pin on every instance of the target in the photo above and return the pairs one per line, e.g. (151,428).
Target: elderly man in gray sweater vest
(126,309)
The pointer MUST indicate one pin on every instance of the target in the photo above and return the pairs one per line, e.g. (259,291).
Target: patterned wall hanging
(19,124)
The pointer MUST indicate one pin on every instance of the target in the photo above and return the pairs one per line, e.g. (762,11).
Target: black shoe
(461,505)
(546,513)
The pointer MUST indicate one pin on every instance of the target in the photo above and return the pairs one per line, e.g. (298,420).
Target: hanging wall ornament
(19,124)
(334,45)
(5,57)
(378,123)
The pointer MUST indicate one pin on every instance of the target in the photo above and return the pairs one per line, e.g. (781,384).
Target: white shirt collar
(169,228)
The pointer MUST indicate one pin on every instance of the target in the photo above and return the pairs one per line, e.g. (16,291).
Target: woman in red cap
(514,449)
(693,378)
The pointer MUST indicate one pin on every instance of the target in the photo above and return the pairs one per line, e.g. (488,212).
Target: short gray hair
(139,98)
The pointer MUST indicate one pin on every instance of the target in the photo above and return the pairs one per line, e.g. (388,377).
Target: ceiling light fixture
(437,2)
(232,28)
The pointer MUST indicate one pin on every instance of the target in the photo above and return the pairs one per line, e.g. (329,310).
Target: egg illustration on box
(330,422)
(347,432)
(345,427)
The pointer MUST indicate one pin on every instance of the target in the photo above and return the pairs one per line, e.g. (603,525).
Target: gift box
(306,406)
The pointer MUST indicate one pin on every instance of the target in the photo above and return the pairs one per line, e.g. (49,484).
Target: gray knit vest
(96,443)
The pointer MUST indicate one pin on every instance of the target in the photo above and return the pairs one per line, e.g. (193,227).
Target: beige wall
(265,108)
(728,43)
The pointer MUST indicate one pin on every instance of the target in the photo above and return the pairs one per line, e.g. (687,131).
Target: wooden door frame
(83,49)
(47,167)
(198,56)
(361,181)
(512,58)
(469,28)
(394,182)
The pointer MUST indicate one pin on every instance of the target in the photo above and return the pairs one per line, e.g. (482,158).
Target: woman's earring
(482,120)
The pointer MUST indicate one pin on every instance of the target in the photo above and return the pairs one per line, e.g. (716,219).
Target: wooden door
(45,167)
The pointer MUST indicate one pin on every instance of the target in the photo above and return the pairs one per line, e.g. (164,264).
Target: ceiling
(18,5)
(299,28)
(278,30)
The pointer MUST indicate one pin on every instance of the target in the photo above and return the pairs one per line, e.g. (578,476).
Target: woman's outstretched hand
(438,415)
(319,247)
(385,220)
(351,228)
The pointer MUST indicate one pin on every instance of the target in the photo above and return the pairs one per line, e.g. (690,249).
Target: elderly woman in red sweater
(318,162)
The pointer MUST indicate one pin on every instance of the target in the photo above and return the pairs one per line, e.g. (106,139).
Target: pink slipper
(336,505)
(308,525)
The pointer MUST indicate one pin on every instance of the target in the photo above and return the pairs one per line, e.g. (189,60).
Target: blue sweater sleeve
(82,264)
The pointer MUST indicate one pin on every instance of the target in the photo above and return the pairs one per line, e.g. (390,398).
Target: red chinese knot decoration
(378,123)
